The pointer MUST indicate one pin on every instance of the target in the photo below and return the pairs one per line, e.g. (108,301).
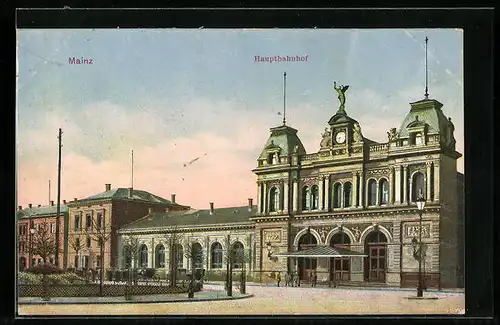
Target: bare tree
(173,239)
(97,233)
(43,242)
(76,245)
(195,256)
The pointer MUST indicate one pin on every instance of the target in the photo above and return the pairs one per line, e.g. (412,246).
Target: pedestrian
(315,278)
(311,278)
(278,278)
(287,279)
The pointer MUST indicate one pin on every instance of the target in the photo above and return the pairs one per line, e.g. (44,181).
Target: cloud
(227,137)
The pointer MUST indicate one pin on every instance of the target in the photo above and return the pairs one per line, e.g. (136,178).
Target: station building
(353,192)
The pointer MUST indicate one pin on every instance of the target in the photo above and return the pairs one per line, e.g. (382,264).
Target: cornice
(195,228)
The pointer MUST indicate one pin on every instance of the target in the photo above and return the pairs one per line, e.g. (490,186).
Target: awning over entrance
(323,251)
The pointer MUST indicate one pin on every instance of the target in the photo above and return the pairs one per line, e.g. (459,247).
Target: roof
(323,251)
(122,194)
(285,138)
(193,217)
(341,117)
(39,212)
(426,111)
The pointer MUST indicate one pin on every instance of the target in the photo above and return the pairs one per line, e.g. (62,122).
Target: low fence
(93,290)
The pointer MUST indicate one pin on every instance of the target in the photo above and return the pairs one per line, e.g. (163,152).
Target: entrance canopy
(323,251)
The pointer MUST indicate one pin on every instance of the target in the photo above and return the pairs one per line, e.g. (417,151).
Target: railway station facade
(353,193)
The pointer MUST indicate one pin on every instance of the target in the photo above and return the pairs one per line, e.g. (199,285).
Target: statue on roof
(357,136)
(326,142)
(391,135)
(341,91)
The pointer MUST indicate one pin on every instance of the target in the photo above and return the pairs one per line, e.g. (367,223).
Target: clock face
(340,137)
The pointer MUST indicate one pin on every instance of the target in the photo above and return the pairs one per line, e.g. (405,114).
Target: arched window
(306,198)
(384,191)
(337,195)
(179,256)
(274,204)
(314,197)
(372,192)
(239,251)
(347,194)
(143,261)
(216,252)
(160,256)
(127,257)
(418,186)
(197,252)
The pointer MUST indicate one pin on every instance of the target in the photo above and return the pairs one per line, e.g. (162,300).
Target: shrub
(28,278)
(44,269)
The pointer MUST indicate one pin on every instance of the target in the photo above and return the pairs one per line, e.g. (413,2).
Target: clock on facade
(340,137)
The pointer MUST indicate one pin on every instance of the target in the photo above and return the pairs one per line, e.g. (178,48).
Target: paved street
(273,300)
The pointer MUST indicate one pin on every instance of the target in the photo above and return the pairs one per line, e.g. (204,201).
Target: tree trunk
(102,271)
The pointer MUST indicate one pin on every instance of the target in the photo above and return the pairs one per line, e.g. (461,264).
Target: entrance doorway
(340,266)
(306,265)
(376,249)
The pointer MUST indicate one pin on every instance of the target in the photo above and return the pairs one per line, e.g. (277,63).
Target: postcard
(240,171)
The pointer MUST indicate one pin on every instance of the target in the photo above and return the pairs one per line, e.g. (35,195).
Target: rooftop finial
(426,78)
(284,98)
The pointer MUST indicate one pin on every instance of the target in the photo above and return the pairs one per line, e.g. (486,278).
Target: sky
(174,95)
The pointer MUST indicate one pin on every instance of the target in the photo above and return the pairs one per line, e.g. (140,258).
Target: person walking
(287,279)
(278,278)
(311,278)
(315,278)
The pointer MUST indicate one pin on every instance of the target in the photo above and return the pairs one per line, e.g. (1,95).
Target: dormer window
(418,138)
(270,158)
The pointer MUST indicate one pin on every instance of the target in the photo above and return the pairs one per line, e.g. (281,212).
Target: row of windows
(23,229)
(342,194)
(216,253)
(88,222)
(88,242)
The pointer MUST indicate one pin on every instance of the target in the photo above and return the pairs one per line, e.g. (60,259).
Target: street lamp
(420,208)
(32,231)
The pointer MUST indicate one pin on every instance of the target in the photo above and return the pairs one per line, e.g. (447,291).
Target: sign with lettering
(412,230)
(272,236)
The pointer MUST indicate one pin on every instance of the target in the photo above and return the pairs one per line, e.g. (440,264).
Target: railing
(378,147)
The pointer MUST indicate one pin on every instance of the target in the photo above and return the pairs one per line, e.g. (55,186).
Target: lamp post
(420,208)
(32,231)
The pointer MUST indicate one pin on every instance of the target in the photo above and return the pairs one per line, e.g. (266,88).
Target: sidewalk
(325,286)
(180,297)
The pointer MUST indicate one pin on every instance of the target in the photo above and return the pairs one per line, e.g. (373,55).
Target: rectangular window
(77,222)
(88,242)
(99,220)
(20,229)
(88,221)
(85,261)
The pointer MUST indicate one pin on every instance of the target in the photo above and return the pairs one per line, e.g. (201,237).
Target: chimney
(20,207)
(30,205)
(108,187)
(39,205)
(51,203)
(75,199)
(211,208)
(130,189)
(150,211)
(172,198)
(64,201)
(250,204)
